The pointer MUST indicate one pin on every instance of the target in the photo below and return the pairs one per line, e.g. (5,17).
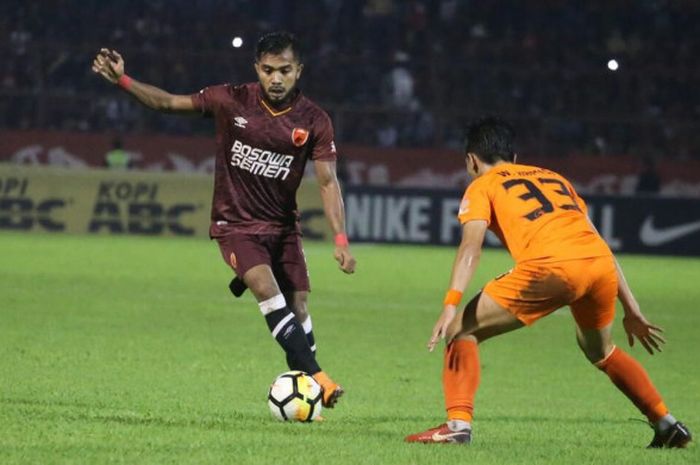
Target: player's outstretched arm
(110,65)
(335,212)
(465,264)
(634,322)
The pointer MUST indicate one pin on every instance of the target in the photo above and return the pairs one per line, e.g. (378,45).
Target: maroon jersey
(261,154)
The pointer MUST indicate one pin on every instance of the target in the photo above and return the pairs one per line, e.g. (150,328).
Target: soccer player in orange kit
(560,259)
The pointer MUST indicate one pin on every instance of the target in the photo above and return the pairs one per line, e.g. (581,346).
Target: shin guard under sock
(632,379)
(289,334)
(460,379)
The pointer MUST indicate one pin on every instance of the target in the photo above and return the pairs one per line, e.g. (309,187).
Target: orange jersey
(534,211)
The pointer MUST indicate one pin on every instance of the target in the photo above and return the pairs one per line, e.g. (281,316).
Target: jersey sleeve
(323,144)
(209,100)
(476,204)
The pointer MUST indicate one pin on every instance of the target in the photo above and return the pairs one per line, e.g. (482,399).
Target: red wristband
(124,82)
(452,297)
(341,240)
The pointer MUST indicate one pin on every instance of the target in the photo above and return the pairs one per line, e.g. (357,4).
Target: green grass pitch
(131,350)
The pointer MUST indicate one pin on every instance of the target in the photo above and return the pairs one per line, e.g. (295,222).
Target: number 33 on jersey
(535,213)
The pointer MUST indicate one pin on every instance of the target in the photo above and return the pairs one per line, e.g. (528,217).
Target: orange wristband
(452,297)
(341,240)
(124,82)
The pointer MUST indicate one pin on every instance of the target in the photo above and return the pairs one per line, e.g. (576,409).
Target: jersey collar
(273,111)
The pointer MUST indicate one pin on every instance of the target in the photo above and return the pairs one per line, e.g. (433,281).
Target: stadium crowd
(391,73)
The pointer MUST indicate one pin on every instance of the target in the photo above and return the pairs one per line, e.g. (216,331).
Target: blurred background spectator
(599,78)
(649,181)
(117,158)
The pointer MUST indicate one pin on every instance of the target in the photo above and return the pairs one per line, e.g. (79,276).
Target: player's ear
(473,162)
(300,68)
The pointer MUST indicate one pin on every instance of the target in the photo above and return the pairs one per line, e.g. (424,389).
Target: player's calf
(297,301)
(287,331)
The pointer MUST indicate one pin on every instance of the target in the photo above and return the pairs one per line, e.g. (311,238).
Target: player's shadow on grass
(436,419)
(80,411)
(232,421)
(62,410)
(531,419)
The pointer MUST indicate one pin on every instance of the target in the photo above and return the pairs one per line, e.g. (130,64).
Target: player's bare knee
(261,282)
(297,302)
(595,344)
(454,329)
(594,355)
(301,311)
(263,291)
(599,353)
(594,349)
(465,336)
(464,324)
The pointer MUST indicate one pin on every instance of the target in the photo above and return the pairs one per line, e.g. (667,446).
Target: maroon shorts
(281,252)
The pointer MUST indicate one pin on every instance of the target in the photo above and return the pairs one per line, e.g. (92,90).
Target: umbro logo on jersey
(240,121)
(299,136)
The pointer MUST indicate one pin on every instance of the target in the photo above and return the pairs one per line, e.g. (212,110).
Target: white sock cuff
(307,325)
(459,425)
(270,305)
(665,423)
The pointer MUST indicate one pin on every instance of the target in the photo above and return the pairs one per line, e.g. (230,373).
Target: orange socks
(631,378)
(461,372)
(460,379)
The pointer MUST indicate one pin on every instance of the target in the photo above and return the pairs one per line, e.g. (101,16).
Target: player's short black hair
(277,42)
(491,139)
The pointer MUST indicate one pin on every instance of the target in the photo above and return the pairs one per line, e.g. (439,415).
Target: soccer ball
(294,396)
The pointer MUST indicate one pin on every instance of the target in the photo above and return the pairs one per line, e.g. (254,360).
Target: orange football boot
(331,390)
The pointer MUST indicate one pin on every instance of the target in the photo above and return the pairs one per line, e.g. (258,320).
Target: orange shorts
(534,289)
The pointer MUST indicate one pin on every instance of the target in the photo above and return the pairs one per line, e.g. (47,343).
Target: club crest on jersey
(240,122)
(299,136)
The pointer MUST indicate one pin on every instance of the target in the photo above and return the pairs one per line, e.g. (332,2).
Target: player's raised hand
(109,64)
(440,328)
(345,259)
(636,326)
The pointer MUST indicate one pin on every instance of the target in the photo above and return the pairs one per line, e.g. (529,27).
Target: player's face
(278,74)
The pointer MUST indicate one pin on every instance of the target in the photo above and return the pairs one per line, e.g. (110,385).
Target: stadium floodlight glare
(237,42)
(613,65)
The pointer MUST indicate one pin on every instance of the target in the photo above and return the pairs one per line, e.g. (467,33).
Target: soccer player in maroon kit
(265,132)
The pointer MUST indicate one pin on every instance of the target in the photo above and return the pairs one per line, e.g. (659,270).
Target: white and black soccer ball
(295,396)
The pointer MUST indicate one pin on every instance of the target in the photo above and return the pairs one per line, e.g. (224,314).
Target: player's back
(537,214)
